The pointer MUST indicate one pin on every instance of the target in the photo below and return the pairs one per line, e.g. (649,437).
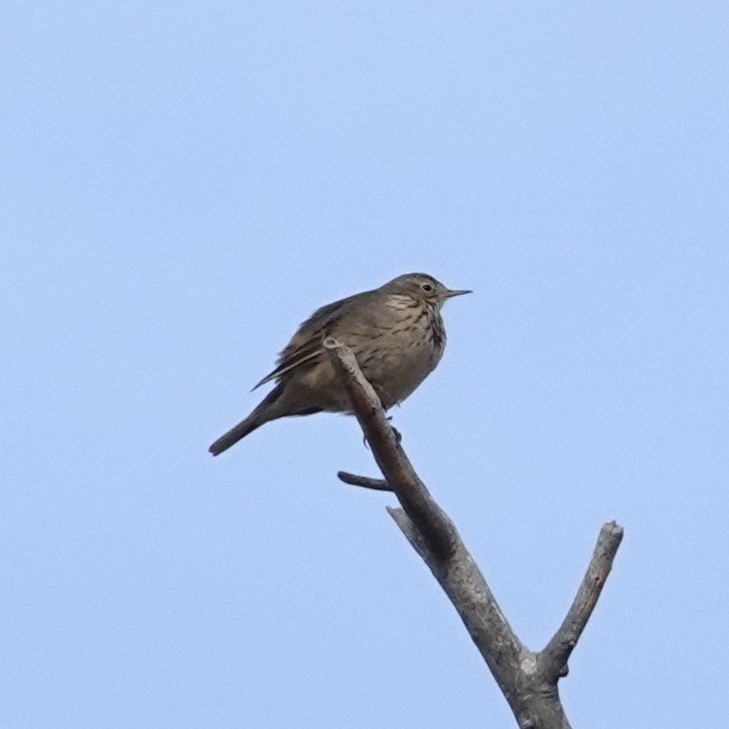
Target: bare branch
(466,587)
(553,659)
(528,680)
(430,519)
(376,484)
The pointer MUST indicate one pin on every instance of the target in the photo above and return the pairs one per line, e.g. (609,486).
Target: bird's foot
(395,432)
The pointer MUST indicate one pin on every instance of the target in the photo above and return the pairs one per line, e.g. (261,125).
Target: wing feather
(306,345)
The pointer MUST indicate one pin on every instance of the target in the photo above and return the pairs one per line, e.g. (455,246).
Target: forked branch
(527,679)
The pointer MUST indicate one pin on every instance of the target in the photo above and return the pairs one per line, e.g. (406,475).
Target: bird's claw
(395,432)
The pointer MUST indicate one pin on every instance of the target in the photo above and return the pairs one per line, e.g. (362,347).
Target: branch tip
(376,484)
(553,659)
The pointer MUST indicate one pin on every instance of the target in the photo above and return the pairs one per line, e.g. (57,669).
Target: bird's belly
(396,371)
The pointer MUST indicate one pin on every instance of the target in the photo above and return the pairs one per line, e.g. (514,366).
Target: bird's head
(423,287)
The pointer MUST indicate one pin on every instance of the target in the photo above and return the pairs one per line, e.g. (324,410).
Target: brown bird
(396,333)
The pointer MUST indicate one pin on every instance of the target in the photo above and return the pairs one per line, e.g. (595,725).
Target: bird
(396,333)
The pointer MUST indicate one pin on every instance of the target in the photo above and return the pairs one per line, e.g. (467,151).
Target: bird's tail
(262,414)
(234,435)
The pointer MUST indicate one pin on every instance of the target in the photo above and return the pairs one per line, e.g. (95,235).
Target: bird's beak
(457,292)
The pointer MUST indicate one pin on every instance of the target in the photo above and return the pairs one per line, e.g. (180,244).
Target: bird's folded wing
(290,362)
(307,344)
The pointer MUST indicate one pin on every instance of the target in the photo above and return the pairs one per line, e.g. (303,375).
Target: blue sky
(182,184)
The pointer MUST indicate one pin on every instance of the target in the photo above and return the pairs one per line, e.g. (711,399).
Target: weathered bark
(527,679)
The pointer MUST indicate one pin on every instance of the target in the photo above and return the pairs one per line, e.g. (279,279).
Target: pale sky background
(183,183)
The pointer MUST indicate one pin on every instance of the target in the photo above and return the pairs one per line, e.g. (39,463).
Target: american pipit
(396,332)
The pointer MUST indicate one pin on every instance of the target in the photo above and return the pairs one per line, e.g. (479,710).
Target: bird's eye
(427,287)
